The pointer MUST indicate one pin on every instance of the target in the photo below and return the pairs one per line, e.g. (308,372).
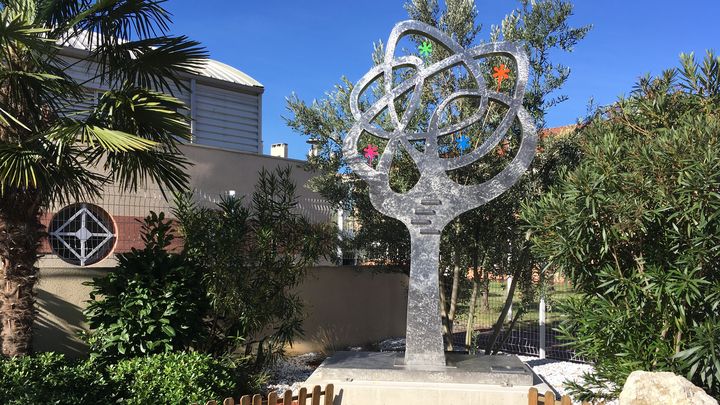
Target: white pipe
(541,321)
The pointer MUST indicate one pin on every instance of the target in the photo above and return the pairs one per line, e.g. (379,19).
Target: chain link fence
(533,334)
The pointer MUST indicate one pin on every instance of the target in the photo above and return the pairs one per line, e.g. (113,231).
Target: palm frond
(17,34)
(115,21)
(58,172)
(152,115)
(164,167)
(59,13)
(69,131)
(151,63)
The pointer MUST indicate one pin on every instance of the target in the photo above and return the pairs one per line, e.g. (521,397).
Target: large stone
(649,388)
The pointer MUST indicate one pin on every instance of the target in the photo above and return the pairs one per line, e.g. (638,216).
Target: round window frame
(63,217)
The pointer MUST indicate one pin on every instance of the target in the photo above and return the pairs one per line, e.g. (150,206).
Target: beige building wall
(344,306)
(351,306)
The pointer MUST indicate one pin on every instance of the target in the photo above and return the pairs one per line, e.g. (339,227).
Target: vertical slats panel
(226,118)
(302,396)
(329,394)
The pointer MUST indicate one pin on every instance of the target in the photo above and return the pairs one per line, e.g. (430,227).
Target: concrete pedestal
(372,378)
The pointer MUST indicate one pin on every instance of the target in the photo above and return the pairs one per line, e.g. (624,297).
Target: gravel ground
(289,373)
(292,371)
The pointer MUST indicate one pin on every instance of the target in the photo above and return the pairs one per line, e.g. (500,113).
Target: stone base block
(371,378)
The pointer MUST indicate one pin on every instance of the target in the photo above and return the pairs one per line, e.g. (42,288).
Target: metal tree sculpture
(435,199)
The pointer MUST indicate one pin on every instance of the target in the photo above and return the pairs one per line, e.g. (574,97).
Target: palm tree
(49,156)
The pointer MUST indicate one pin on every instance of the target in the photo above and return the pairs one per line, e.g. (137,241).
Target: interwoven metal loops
(429,158)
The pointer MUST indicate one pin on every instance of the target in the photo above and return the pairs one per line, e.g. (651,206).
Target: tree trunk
(470,326)
(20,233)
(520,267)
(444,309)
(485,295)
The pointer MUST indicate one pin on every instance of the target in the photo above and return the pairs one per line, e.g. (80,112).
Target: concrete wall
(347,306)
(344,306)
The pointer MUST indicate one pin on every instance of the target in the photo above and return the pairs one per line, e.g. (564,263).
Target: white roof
(211,68)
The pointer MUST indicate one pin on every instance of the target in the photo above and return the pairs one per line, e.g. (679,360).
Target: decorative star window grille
(82,234)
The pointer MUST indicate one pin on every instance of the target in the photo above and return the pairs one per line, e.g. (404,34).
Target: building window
(82,234)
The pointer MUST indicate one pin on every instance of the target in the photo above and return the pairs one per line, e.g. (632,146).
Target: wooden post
(316,395)
(257,399)
(287,397)
(302,396)
(245,400)
(549,398)
(272,398)
(229,401)
(565,400)
(533,396)
(329,394)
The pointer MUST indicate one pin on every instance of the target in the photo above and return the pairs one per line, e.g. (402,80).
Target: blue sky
(306,46)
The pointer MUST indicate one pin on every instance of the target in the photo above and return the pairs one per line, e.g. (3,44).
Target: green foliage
(133,132)
(52,151)
(636,228)
(150,303)
(179,378)
(250,257)
(166,378)
(49,378)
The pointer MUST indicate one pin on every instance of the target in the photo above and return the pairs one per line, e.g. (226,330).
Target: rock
(647,388)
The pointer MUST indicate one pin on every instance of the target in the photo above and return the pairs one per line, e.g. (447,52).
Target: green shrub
(49,378)
(251,256)
(636,227)
(151,302)
(179,378)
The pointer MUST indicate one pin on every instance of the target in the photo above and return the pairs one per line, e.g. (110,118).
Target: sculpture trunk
(424,341)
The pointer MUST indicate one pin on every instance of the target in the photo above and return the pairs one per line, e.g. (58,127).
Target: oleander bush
(636,228)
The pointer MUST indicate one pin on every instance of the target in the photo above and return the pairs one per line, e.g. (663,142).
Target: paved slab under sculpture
(435,199)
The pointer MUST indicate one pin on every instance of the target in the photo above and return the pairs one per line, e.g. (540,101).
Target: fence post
(316,395)
(541,321)
(507,292)
(287,398)
(329,394)
(533,396)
